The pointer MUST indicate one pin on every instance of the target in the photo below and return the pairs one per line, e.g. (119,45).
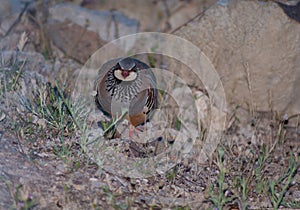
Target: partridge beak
(125,73)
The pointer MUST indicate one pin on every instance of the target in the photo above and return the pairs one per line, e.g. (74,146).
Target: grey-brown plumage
(127,84)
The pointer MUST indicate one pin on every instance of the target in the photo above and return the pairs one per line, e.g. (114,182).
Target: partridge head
(127,84)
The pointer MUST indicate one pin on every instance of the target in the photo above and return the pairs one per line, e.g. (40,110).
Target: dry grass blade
(22,42)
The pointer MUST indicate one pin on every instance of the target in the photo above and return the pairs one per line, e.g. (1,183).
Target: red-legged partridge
(127,84)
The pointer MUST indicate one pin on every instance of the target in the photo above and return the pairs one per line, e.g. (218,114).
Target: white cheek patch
(132,75)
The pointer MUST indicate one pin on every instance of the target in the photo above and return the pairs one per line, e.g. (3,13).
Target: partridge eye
(134,68)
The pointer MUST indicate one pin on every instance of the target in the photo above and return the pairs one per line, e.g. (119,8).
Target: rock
(79,32)
(32,67)
(5,9)
(9,42)
(13,22)
(74,40)
(255,49)
(108,24)
(181,12)
(34,62)
(9,13)
(7,16)
(154,15)
(149,13)
(38,71)
(293,11)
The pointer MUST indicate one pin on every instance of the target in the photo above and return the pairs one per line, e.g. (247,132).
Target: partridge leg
(135,121)
(131,130)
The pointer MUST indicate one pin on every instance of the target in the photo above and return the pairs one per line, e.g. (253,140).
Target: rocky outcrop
(255,48)
(79,32)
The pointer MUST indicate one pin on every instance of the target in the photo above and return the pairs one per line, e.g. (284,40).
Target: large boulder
(255,48)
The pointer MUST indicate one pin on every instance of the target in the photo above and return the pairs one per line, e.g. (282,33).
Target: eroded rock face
(108,24)
(9,12)
(165,16)
(79,32)
(255,48)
